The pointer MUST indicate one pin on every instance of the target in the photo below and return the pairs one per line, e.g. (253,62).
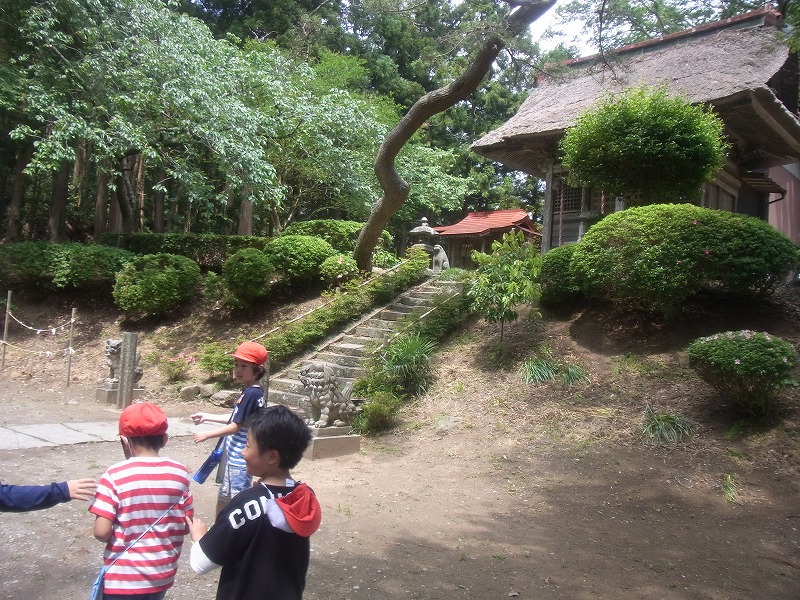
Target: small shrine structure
(478,230)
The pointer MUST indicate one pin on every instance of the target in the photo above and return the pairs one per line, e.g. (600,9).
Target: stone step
(341,371)
(414,302)
(290,399)
(365,342)
(347,360)
(393,315)
(429,294)
(349,348)
(380,323)
(286,383)
(367,330)
(398,307)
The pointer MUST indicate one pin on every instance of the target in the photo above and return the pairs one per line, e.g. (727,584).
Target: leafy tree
(505,279)
(644,141)
(395,188)
(614,23)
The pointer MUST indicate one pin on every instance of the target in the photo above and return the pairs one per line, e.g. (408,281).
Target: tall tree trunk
(58,203)
(101,217)
(246,218)
(126,194)
(395,188)
(18,193)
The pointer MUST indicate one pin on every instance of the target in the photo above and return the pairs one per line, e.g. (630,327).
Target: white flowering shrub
(338,269)
(745,366)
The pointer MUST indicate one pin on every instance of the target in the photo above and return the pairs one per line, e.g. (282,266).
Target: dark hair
(278,428)
(154,442)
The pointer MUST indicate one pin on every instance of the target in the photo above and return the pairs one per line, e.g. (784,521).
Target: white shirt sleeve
(199,562)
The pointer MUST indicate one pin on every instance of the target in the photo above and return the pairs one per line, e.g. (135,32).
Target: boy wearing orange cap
(131,496)
(249,362)
(261,540)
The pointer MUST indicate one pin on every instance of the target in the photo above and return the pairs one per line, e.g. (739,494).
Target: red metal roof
(479,223)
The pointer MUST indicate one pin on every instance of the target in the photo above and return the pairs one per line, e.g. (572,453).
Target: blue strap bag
(97,586)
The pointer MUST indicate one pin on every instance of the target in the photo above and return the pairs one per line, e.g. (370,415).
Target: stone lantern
(423,236)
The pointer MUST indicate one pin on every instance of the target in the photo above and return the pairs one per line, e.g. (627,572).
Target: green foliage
(338,269)
(559,285)
(377,414)
(664,427)
(384,259)
(216,359)
(746,367)
(572,374)
(210,251)
(404,363)
(656,257)
(342,235)
(155,284)
(175,367)
(644,141)
(505,278)
(538,370)
(58,266)
(247,275)
(298,258)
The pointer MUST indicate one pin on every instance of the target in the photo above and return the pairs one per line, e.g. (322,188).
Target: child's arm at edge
(228,429)
(198,560)
(103,529)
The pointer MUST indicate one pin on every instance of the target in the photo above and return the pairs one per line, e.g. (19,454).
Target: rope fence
(67,325)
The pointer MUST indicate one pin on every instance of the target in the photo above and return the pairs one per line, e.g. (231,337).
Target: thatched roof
(727,68)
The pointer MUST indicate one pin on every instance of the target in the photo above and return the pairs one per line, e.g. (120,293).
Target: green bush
(155,284)
(744,366)
(658,256)
(247,275)
(558,282)
(404,363)
(216,360)
(644,141)
(298,257)
(377,414)
(342,235)
(60,266)
(338,269)
(210,251)
(384,259)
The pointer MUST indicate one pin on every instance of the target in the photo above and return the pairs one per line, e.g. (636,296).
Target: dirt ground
(490,488)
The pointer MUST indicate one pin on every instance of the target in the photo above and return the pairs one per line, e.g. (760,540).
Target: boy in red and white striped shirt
(130,497)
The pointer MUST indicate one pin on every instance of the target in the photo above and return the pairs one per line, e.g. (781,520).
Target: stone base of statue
(108,393)
(327,442)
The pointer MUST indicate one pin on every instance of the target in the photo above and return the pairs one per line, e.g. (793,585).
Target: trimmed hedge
(298,257)
(556,277)
(247,275)
(658,256)
(342,235)
(744,366)
(210,251)
(61,266)
(155,284)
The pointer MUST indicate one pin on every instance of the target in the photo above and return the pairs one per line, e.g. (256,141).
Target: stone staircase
(347,352)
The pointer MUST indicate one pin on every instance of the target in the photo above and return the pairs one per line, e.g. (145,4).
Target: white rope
(43,353)
(51,330)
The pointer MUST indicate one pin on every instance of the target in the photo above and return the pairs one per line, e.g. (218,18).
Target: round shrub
(155,284)
(298,257)
(558,282)
(247,275)
(338,269)
(745,366)
(658,256)
(342,235)
(645,141)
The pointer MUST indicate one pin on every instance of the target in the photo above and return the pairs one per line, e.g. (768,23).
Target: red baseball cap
(141,419)
(251,352)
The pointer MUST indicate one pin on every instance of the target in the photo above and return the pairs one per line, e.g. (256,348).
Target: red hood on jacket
(298,512)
